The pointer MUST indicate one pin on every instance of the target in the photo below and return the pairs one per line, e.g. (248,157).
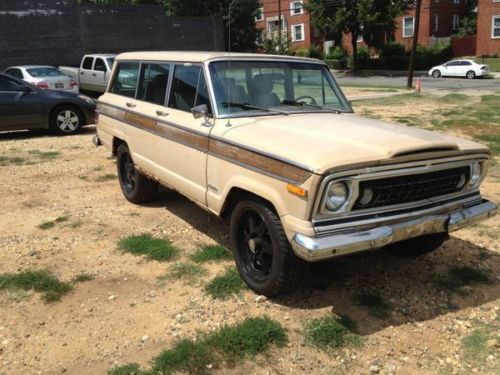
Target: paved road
(427,82)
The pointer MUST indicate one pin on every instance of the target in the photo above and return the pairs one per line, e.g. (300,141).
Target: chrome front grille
(411,188)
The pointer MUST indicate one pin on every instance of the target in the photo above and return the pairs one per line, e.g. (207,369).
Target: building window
(436,23)
(360,36)
(456,1)
(296,8)
(298,33)
(456,22)
(495,27)
(408,26)
(259,15)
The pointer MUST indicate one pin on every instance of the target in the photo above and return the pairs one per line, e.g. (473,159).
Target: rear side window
(125,79)
(189,88)
(465,63)
(87,63)
(100,66)
(153,83)
(15,73)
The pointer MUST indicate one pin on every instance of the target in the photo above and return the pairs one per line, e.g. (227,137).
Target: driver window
(99,65)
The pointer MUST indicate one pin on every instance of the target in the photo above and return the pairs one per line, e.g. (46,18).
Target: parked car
(44,77)
(24,106)
(271,143)
(93,73)
(460,68)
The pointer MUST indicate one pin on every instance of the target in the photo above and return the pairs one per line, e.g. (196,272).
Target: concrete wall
(60,32)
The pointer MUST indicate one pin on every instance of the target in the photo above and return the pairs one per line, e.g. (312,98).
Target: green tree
(371,19)
(241,26)
(468,23)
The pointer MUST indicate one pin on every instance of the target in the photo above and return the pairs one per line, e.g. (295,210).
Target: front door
(99,75)
(452,69)
(20,106)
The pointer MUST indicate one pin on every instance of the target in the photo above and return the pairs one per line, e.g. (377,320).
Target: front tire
(470,74)
(66,120)
(261,249)
(136,187)
(418,246)
(436,73)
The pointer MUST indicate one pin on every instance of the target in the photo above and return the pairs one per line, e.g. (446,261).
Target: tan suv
(272,143)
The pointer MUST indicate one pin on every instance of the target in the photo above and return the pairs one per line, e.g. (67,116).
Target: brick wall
(61,32)
(486,44)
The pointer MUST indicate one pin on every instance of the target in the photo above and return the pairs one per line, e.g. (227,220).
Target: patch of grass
(230,344)
(211,253)
(331,332)
(106,177)
(51,224)
(184,271)
(454,98)
(16,160)
(480,344)
(45,155)
(401,99)
(226,285)
(460,276)
(40,281)
(492,141)
(408,120)
(83,277)
(145,244)
(377,306)
(83,178)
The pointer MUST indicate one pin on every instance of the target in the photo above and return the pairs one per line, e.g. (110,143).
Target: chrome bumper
(318,248)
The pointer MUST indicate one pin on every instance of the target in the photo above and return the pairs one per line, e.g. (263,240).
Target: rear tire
(470,74)
(261,249)
(418,246)
(436,73)
(136,187)
(66,119)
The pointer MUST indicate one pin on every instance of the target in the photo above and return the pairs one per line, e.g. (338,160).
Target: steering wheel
(313,101)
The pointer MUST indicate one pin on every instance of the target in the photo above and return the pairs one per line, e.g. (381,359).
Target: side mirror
(199,111)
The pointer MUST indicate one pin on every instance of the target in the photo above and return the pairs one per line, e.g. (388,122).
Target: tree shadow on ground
(406,289)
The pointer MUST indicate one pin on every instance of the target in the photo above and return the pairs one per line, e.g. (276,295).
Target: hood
(323,141)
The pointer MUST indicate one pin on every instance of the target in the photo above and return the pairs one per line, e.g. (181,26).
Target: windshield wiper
(249,106)
(304,104)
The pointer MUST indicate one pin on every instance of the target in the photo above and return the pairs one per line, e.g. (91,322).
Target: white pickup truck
(94,72)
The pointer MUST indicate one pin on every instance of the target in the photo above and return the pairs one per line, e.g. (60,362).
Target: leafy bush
(302,52)
(362,53)
(392,49)
(315,52)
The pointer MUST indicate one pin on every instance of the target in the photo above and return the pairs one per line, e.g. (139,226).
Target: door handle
(94,74)
(130,105)
(82,73)
(161,113)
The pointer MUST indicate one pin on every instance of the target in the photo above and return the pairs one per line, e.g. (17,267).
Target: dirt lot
(125,313)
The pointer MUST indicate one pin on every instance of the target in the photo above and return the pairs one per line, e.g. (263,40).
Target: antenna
(229,68)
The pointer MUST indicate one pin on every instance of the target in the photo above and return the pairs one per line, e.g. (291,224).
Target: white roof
(32,66)
(105,55)
(199,57)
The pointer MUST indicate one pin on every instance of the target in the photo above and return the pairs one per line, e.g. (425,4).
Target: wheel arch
(116,143)
(238,193)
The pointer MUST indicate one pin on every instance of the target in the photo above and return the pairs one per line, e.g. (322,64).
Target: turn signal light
(42,85)
(297,190)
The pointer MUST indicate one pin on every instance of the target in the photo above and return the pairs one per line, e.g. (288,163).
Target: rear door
(453,68)
(19,109)
(15,72)
(86,78)
(99,74)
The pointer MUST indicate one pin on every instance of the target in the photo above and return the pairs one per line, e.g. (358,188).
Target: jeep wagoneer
(272,144)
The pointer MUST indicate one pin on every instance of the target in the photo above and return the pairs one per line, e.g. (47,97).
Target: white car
(44,77)
(460,68)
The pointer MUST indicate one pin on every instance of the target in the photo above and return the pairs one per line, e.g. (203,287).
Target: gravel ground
(126,315)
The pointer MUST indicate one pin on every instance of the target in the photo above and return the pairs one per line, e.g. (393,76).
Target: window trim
(105,65)
(412,28)
(146,62)
(292,8)
(302,30)
(493,26)
(455,25)
(435,27)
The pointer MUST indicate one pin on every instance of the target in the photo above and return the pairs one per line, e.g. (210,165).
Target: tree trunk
(411,67)
(354,44)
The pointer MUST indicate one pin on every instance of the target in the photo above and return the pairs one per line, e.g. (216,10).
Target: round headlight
(337,196)
(477,171)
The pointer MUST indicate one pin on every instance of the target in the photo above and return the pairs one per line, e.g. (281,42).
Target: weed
(184,271)
(145,244)
(106,177)
(331,332)
(460,276)
(211,253)
(52,223)
(479,345)
(83,277)
(40,281)
(229,344)
(45,155)
(6,160)
(225,285)
(83,178)
(377,306)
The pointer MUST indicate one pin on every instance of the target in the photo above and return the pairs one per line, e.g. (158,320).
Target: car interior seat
(262,91)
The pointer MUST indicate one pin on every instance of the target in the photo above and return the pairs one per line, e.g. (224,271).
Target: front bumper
(319,248)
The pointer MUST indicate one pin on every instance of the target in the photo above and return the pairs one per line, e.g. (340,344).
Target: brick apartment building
(488,28)
(295,22)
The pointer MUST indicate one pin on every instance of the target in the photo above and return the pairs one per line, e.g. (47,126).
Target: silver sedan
(44,77)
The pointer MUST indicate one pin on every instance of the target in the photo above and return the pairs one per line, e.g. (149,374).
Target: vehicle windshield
(274,87)
(44,72)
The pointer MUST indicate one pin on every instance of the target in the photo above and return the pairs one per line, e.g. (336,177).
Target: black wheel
(66,120)
(470,74)
(136,187)
(418,246)
(436,73)
(261,249)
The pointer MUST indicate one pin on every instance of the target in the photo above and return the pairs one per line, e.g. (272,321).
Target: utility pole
(413,54)
(279,26)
